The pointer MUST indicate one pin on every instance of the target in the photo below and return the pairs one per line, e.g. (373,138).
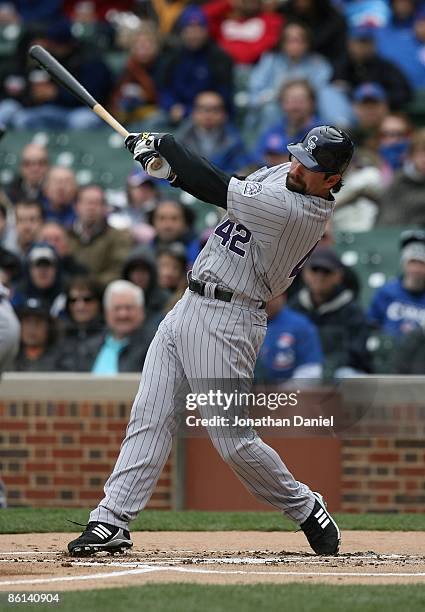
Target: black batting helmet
(324,149)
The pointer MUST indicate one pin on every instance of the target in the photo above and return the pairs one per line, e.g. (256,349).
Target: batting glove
(138,143)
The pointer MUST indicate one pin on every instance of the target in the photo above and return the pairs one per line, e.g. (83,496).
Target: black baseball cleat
(321,530)
(100,536)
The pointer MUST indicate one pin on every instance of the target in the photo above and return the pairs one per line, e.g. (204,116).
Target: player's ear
(332,180)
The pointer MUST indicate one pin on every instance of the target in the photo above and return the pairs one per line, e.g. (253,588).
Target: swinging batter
(275,217)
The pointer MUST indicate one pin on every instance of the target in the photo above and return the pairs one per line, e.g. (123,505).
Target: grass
(170,597)
(46,520)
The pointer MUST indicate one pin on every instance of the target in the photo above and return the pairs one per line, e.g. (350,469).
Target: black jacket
(74,344)
(131,358)
(342,327)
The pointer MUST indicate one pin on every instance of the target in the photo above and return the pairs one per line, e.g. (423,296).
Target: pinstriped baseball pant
(199,339)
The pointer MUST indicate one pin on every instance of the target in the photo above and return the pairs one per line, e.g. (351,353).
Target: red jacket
(243,39)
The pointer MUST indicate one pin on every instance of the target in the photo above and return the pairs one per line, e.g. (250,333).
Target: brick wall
(59,453)
(384,475)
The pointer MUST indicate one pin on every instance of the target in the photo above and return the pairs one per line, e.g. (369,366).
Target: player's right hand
(138,143)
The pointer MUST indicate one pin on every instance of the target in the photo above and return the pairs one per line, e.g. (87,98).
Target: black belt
(198,286)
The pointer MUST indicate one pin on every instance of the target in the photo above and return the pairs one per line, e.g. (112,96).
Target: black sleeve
(195,174)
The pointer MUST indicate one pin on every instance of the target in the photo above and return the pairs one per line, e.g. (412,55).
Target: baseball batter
(275,217)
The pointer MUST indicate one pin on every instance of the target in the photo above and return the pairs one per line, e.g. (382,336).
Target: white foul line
(149,569)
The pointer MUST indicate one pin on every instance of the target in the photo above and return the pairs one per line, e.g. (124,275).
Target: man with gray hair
(123,345)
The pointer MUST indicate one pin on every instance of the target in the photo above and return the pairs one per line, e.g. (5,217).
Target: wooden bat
(63,77)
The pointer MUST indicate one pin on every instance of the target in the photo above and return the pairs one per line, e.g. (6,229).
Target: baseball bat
(63,77)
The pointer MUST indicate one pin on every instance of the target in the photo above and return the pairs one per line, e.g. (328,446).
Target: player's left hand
(138,143)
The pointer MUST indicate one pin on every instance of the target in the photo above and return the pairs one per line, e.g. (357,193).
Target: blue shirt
(107,358)
(396,310)
(292,340)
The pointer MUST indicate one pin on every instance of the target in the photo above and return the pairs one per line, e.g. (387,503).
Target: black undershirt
(195,174)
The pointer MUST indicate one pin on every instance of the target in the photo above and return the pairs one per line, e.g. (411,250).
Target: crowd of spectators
(236,80)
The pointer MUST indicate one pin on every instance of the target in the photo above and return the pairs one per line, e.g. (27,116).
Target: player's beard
(295,186)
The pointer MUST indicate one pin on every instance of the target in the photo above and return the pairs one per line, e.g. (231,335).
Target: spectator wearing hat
(402,41)
(370,106)
(60,192)
(123,345)
(33,167)
(291,348)
(363,64)
(402,203)
(173,222)
(42,279)
(331,305)
(135,96)
(294,60)
(210,133)
(196,64)
(297,115)
(244,29)
(172,272)
(94,244)
(140,268)
(38,338)
(398,307)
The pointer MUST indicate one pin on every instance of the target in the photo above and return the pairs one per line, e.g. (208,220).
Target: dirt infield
(37,562)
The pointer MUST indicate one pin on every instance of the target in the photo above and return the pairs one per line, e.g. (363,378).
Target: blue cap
(276,143)
(192,15)
(369,91)
(363,32)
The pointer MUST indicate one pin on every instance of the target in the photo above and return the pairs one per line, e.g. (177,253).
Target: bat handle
(116,125)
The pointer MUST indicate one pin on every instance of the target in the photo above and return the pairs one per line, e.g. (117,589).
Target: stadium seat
(373,255)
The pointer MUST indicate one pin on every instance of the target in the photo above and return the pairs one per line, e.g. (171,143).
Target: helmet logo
(311,144)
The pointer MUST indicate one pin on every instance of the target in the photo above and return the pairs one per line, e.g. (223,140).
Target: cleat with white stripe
(99,537)
(321,530)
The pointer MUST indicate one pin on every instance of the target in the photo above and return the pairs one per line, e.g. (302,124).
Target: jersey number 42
(232,235)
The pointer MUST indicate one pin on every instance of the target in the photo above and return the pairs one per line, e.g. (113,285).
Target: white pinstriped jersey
(267,234)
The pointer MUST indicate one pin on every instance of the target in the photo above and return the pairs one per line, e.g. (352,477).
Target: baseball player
(275,217)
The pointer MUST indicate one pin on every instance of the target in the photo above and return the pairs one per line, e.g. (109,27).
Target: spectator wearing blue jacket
(403,43)
(209,133)
(296,116)
(398,307)
(196,65)
(291,348)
